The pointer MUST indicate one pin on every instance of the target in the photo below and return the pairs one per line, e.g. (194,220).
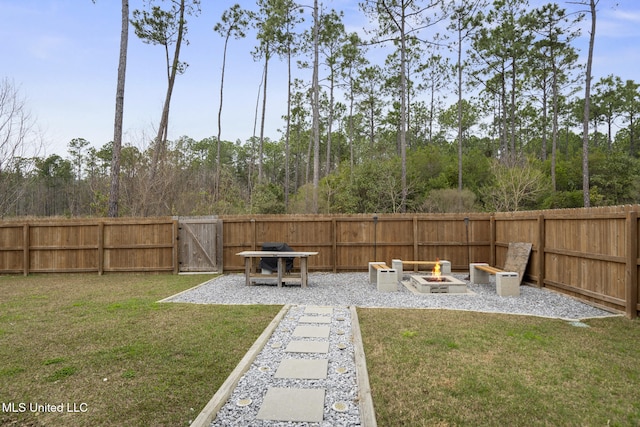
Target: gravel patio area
(354,289)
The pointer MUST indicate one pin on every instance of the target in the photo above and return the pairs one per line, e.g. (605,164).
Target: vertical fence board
(101,248)
(636,236)
(334,246)
(631,270)
(25,253)
(414,239)
(540,251)
(492,240)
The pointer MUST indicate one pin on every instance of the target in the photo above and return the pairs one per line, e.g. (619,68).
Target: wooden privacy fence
(591,254)
(349,242)
(89,245)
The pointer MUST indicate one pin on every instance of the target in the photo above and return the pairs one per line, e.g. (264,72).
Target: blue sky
(63,56)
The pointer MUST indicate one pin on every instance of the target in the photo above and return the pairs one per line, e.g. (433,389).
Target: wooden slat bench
(508,279)
(383,277)
(487,268)
(507,282)
(398,265)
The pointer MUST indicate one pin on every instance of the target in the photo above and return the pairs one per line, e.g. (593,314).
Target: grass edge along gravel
(83,349)
(444,367)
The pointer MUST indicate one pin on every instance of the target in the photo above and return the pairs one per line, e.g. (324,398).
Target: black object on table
(271,264)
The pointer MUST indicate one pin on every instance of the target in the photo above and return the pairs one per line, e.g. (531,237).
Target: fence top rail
(562,216)
(54,222)
(573,213)
(357,217)
(595,212)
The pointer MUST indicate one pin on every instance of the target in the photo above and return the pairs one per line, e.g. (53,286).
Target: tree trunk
(161,137)
(554,129)
(216,184)
(459,115)
(329,125)
(287,132)
(316,112)
(350,133)
(403,116)
(264,113)
(512,109)
(545,118)
(114,192)
(587,103)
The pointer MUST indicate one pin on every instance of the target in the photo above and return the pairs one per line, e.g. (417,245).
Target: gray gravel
(354,289)
(341,291)
(340,385)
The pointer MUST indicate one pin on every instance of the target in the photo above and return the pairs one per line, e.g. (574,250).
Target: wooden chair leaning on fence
(398,265)
(383,277)
(509,278)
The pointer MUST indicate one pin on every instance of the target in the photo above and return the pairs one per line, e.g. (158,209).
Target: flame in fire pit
(435,273)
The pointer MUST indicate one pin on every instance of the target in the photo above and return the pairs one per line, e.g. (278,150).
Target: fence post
(220,245)
(492,240)
(253,234)
(100,248)
(176,246)
(416,250)
(334,244)
(541,248)
(631,285)
(25,249)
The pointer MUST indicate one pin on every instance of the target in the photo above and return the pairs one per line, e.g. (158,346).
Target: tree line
(491,114)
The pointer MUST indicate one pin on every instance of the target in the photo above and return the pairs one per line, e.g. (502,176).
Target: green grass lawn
(103,347)
(445,368)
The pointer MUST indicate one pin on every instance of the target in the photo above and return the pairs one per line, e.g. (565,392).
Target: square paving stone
(312,309)
(293,404)
(314,319)
(307,347)
(311,331)
(303,369)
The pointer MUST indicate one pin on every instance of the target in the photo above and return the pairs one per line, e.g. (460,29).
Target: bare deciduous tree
(516,183)
(18,141)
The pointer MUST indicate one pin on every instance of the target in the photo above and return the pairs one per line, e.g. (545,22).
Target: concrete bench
(398,265)
(383,277)
(507,282)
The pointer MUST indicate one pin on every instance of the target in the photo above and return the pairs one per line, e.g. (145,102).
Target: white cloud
(617,23)
(624,15)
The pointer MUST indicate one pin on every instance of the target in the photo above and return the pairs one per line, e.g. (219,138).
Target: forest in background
(479,106)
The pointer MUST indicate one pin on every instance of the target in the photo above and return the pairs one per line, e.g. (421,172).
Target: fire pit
(437,283)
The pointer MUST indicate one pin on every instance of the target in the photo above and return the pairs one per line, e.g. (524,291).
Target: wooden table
(252,276)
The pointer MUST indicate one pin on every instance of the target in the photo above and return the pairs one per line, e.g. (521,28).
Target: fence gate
(200,244)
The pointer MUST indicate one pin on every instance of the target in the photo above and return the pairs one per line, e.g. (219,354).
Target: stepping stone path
(304,374)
